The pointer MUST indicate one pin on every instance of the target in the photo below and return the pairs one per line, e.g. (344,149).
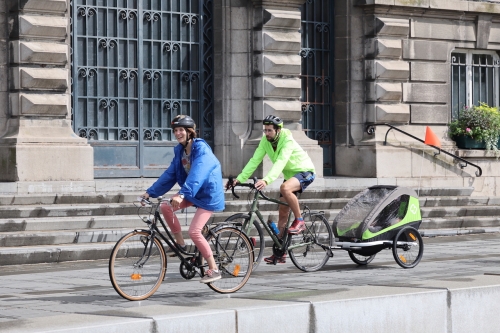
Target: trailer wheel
(408,247)
(360,259)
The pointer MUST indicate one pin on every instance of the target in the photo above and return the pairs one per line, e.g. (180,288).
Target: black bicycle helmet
(183,121)
(273,120)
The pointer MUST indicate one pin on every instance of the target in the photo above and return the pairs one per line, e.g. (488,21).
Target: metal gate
(317,77)
(136,64)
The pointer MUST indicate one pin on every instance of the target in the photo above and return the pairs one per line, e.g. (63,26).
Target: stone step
(459,211)
(119,197)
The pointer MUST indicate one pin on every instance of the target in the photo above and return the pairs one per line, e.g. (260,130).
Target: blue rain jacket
(203,186)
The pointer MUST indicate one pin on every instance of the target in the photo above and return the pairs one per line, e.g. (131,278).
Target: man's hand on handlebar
(231,183)
(260,185)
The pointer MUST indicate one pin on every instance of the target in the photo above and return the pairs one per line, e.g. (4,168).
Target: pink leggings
(199,220)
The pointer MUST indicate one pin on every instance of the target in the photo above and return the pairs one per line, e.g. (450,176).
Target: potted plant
(477,127)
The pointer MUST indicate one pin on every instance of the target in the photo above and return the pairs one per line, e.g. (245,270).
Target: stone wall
(402,50)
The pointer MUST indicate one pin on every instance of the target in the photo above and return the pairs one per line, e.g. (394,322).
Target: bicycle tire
(311,257)
(408,255)
(233,254)
(237,220)
(128,279)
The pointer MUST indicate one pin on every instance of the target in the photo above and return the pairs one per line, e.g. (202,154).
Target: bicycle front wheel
(311,248)
(233,254)
(137,265)
(256,235)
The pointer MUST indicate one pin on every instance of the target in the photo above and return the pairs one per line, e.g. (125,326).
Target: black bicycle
(138,262)
(309,250)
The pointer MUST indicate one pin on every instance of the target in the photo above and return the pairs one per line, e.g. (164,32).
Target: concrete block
(240,64)
(425,93)
(40,78)
(387,69)
(80,323)
(442,29)
(283,19)
(274,87)
(355,161)
(377,25)
(393,161)
(240,41)
(39,53)
(416,312)
(483,31)
(429,114)
(413,3)
(239,17)
(250,319)
(3,52)
(4,79)
(380,47)
(54,163)
(285,109)
(375,2)
(426,50)
(484,7)
(279,64)
(42,26)
(239,87)
(456,5)
(383,91)
(23,104)
(277,41)
(387,113)
(56,187)
(49,6)
(429,71)
(494,33)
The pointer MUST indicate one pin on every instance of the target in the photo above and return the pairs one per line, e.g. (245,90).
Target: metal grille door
(317,77)
(135,66)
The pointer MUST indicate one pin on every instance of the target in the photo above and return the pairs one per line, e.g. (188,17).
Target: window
(474,79)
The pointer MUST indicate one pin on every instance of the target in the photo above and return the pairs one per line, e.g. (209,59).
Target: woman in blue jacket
(198,172)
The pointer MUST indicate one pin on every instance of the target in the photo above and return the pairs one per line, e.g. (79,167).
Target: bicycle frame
(254,211)
(155,231)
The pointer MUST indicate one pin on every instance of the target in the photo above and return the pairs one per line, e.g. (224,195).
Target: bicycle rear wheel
(256,236)
(137,265)
(312,249)
(233,255)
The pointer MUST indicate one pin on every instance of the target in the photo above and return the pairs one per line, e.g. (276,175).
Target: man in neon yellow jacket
(291,160)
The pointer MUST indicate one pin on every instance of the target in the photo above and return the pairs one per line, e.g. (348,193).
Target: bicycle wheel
(311,248)
(256,236)
(233,255)
(137,265)
(408,247)
(360,259)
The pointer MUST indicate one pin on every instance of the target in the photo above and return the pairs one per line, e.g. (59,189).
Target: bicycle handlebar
(249,185)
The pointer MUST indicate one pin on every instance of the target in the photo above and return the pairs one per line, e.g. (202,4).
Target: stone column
(37,142)
(276,81)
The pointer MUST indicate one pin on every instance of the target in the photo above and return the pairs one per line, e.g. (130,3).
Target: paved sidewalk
(342,297)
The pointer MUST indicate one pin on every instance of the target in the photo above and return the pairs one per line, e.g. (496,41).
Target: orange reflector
(403,259)
(136,276)
(236,270)
(412,236)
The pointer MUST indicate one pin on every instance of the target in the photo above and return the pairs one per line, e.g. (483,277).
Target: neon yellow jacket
(288,158)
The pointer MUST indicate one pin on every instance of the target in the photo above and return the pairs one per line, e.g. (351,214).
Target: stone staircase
(46,228)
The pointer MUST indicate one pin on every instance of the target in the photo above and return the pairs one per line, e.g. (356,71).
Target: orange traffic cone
(431,138)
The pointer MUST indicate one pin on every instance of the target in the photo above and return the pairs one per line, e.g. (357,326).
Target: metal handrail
(370,129)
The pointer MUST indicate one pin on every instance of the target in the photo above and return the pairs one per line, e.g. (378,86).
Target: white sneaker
(211,276)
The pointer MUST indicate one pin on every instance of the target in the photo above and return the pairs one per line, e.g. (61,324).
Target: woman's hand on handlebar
(144,196)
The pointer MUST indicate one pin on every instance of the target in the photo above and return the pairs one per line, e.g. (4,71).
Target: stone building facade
(392,64)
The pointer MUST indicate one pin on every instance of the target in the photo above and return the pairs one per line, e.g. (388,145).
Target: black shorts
(305,179)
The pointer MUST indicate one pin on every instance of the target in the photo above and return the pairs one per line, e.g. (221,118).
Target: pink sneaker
(297,226)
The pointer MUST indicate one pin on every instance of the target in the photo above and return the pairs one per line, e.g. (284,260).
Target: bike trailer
(377,213)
